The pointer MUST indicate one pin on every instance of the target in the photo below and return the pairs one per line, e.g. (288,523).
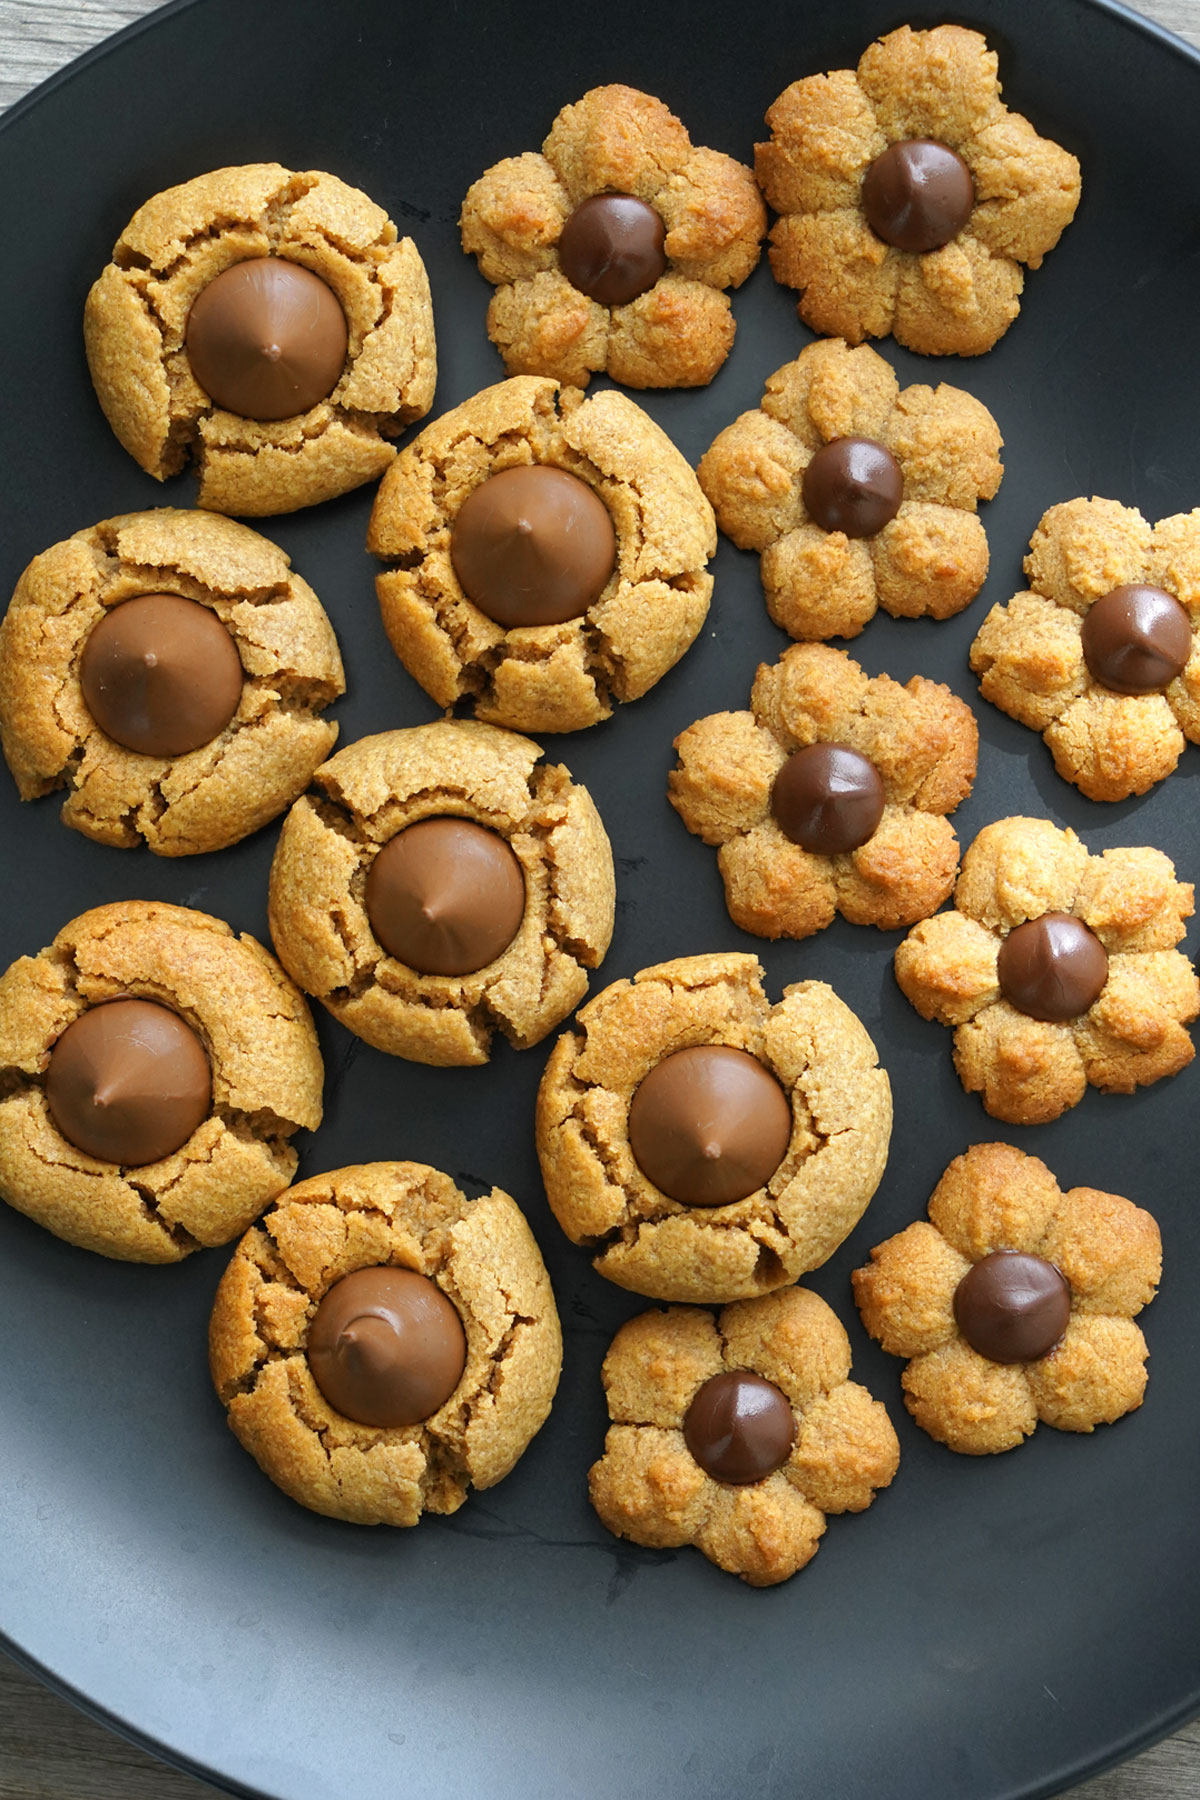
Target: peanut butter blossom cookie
(169,670)
(436,884)
(829,795)
(857,493)
(1056,969)
(153,1068)
(383,1344)
(546,555)
(609,251)
(738,1434)
(269,325)
(1099,657)
(1014,1303)
(909,195)
(704,1144)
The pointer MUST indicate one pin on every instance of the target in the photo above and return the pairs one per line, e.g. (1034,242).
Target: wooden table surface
(49,1750)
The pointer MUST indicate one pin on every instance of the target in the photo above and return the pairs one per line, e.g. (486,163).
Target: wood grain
(48,1749)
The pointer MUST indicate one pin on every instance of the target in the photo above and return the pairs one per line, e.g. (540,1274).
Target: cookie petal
(1097,1374)
(819,584)
(995,1198)
(1132,901)
(727,764)
(946,967)
(901,874)
(791,1338)
(958,300)
(846,1449)
(1082,549)
(932,84)
(1029,659)
(1017,869)
(763,1533)
(813,691)
(905,1294)
(1109,1250)
(848,277)
(1135,1032)
(715,219)
(541,325)
(656,1363)
(512,218)
(1026,189)
(967,1403)
(823,136)
(676,335)
(773,888)
(948,445)
(1028,1072)
(929,561)
(751,475)
(616,140)
(647,1487)
(1114,745)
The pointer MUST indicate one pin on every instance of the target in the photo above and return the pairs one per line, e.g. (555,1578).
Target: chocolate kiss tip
(525,527)
(711,1152)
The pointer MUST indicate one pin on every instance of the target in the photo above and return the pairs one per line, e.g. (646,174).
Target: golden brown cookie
(841,1120)
(827,133)
(871,842)
(1103,998)
(832,553)
(480,1253)
(1049,658)
(137,316)
(648,1485)
(265,1068)
(547,677)
(254,767)
(360,800)
(1014,1303)
(670,324)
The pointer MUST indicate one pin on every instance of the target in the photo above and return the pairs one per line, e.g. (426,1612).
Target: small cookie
(830,795)
(738,1434)
(1056,969)
(572,622)
(910,196)
(1101,656)
(609,250)
(206,274)
(179,1059)
(857,493)
(1014,1303)
(223,735)
(704,1144)
(417,853)
(453,1300)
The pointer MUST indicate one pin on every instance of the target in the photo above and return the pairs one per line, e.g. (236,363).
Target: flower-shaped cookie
(1014,1303)
(1056,969)
(245,657)
(910,195)
(829,795)
(704,1144)
(857,493)
(610,250)
(1101,657)
(738,1434)
(201,276)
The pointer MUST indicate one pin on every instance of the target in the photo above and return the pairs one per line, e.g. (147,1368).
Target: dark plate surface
(992,1627)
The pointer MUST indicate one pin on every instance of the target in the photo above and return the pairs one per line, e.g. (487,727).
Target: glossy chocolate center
(533,546)
(828,799)
(709,1125)
(918,195)
(1012,1307)
(267,339)
(740,1428)
(161,675)
(128,1082)
(1052,968)
(1136,640)
(386,1347)
(611,248)
(853,485)
(445,896)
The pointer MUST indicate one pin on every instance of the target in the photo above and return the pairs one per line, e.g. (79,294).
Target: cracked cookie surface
(648,1487)
(929,560)
(640,1239)
(996,1198)
(548,677)
(254,768)
(921,740)
(136,318)
(483,1257)
(266,1081)
(370,791)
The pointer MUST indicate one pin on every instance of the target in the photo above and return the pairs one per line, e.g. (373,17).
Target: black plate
(989,1628)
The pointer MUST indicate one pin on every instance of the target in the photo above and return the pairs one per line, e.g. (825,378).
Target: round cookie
(864,833)
(1056,969)
(857,493)
(854,160)
(264,1067)
(738,1434)
(557,676)
(816,1051)
(1014,1303)
(483,1260)
(230,785)
(609,250)
(361,801)
(144,344)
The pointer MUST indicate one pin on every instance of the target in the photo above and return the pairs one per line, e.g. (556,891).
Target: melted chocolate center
(740,1428)
(386,1347)
(918,194)
(611,248)
(1012,1307)
(709,1125)
(1052,968)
